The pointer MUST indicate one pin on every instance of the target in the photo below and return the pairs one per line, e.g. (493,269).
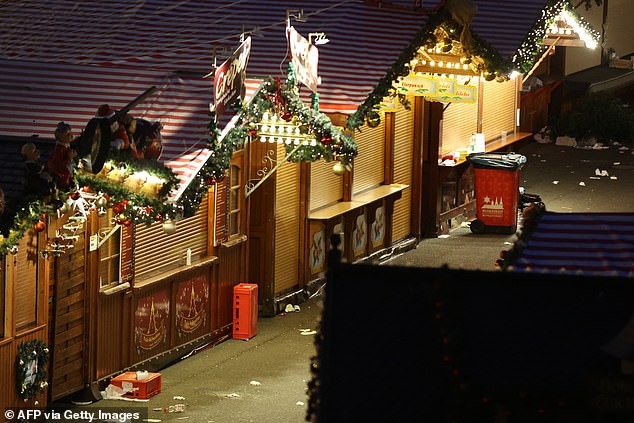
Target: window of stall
(109,254)
(236,195)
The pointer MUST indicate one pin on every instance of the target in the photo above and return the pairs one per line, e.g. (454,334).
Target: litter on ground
(582,184)
(255,383)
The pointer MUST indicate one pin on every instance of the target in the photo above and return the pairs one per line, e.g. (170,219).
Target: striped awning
(579,243)
(61,59)
(33,101)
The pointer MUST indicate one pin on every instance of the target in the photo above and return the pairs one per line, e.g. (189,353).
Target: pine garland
(29,353)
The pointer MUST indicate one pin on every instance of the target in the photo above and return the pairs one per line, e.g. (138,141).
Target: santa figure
(60,163)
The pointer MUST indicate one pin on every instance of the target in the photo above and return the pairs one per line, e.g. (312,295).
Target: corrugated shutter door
(325,187)
(403,162)
(368,165)
(26,282)
(498,108)
(157,252)
(460,120)
(286,225)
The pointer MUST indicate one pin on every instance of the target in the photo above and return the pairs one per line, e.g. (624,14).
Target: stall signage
(304,57)
(230,76)
(437,89)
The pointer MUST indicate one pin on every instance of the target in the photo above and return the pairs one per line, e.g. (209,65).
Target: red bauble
(75,195)
(39,226)
(326,140)
(158,217)
(117,208)
(287,116)
(252,132)
(127,222)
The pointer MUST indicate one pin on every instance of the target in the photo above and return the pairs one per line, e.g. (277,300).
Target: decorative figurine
(36,180)
(60,164)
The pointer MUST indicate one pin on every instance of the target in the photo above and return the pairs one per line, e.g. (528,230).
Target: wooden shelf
(495,145)
(360,200)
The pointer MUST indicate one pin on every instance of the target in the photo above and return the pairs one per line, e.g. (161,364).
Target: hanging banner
(229,78)
(304,57)
(437,89)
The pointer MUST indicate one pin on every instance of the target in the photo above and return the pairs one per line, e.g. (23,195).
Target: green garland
(31,352)
(531,46)
(18,218)
(275,97)
(493,63)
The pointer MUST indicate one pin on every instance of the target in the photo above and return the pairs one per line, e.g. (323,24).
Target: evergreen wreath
(30,368)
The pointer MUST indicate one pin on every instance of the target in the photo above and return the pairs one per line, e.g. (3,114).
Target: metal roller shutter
(403,162)
(156,252)
(460,120)
(325,187)
(287,225)
(498,110)
(369,164)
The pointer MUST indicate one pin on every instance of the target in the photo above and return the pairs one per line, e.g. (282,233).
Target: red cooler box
(497,179)
(245,311)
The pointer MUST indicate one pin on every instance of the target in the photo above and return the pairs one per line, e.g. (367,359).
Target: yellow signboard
(437,89)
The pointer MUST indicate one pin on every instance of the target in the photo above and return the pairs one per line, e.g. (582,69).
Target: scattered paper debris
(178,398)
(183,418)
(555,182)
(152,420)
(595,177)
(616,163)
(582,184)
(232,395)
(296,308)
(613,177)
(300,403)
(566,141)
(289,308)
(255,383)
(443,236)
(600,172)
(307,332)
(623,148)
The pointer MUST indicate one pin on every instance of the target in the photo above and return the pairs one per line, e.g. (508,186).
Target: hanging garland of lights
(531,46)
(493,63)
(30,368)
(282,99)
(139,207)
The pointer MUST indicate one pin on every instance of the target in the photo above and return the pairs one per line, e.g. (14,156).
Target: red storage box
(245,311)
(141,389)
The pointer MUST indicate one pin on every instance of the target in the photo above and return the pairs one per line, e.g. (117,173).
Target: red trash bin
(497,179)
(245,311)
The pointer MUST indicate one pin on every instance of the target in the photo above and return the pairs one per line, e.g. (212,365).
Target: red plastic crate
(245,311)
(141,389)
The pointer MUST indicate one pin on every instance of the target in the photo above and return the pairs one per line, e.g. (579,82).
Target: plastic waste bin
(497,178)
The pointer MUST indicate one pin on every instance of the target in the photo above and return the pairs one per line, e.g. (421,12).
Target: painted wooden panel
(112,334)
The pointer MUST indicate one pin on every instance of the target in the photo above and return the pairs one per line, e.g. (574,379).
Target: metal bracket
(105,233)
(249,188)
